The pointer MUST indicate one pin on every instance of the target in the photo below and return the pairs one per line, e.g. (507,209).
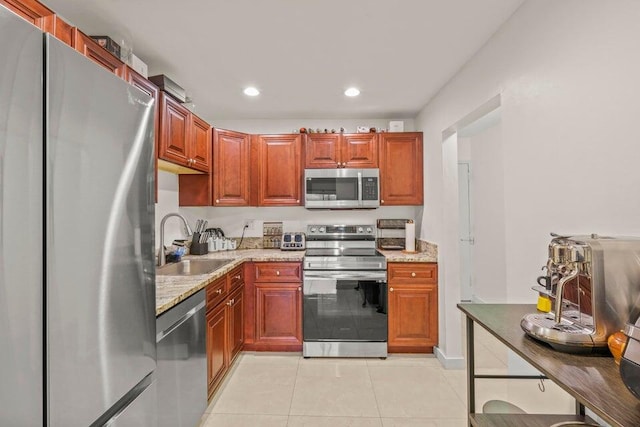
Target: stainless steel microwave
(341,188)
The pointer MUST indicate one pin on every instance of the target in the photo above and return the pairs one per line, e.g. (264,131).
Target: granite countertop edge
(171,290)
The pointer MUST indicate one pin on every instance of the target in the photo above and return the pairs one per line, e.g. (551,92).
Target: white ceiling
(301,54)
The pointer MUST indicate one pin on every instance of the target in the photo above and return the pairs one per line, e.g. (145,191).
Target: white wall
(487,207)
(231,220)
(567,74)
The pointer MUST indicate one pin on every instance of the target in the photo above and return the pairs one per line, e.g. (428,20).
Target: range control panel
(293,241)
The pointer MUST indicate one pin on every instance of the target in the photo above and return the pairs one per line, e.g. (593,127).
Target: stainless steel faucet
(162,260)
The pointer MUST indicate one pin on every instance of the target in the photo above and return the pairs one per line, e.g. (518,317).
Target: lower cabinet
(273,307)
(278,314)
(413,307)
(225,326)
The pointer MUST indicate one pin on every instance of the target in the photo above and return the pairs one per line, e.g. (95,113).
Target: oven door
(345,306)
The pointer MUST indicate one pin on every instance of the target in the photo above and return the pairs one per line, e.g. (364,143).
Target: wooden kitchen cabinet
(334,150)
(413,307)
(401,171)
(92,50)
(278,314)
(278,164)
(216,344)
(225,325)
(231,168)
(185,139)
(273,306)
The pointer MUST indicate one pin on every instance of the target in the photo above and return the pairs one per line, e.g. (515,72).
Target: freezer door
(21,302)
(100,270)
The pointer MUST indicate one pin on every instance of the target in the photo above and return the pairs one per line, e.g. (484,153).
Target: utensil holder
(199,248)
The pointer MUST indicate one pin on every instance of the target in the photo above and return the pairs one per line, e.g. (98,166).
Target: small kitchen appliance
(344,293)
(593,283)
(630,361)
(293,241)
(341,188)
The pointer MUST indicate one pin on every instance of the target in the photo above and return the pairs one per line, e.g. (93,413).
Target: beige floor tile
(415,392)
(258,389)
(424,422)
(300,421)
(271,358)
(235,420)
(333,369)
(349,395)
(406,360)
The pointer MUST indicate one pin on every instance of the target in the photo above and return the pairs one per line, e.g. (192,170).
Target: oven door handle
(380,275)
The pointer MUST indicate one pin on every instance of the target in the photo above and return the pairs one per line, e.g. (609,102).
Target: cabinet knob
(390,289)
(217,200)
(381,201)
(344,164)
(218,291)
(297,200)
(413,274)
(299,288)
(237,277)
(229,303)
(277,273)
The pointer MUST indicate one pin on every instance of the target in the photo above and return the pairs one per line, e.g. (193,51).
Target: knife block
(198,248)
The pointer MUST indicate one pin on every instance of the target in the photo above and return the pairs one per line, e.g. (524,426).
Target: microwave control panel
(369,188)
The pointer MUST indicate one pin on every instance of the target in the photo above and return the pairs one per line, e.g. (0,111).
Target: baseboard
(449,362)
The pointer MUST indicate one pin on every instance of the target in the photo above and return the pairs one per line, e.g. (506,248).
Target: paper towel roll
(410,237)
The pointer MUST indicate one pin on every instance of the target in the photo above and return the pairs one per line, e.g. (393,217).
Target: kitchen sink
(191,267)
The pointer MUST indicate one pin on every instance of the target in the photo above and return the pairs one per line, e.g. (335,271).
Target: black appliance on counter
(344,293)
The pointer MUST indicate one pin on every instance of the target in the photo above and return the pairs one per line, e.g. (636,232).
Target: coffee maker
(593,283)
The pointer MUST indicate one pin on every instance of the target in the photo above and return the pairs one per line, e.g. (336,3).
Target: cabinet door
(235,314)
(31,10)
(231,168)
(413,317)
(359,150)
(199,150)
(92,50)
(278,313)
(216,344)
(322,150)
(280,170)
(401,168)
(174,131)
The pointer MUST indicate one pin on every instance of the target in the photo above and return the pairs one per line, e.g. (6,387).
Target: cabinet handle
(390,289)
(237,277)
(277,273)
(413,274)
(218,291)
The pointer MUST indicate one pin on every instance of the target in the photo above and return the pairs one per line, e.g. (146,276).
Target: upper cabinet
(42,17)
(279,169)
(401,169)
(231,168)
(334,150)
(92,50)
(185,139)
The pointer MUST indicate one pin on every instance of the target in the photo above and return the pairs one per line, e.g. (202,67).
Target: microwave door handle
(359,188)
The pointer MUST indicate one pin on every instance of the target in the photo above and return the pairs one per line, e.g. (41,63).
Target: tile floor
(278,390)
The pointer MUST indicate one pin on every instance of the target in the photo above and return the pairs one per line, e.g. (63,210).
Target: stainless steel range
(344,293)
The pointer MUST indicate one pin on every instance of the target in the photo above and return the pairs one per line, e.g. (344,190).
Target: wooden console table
(594,381)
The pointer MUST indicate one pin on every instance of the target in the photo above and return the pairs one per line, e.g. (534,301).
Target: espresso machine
(593,283)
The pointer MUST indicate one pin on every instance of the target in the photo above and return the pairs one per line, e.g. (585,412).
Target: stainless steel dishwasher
(182,363)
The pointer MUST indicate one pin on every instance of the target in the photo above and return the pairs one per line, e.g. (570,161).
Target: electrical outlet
(249,224)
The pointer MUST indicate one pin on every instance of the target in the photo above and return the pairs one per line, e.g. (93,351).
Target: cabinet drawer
(235,278)
(278,272)
(216,292)
(402,272)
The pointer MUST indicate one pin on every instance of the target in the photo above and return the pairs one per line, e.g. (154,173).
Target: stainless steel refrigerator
(77,294)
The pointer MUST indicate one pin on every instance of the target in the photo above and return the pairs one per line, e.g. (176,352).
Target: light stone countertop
(171,290)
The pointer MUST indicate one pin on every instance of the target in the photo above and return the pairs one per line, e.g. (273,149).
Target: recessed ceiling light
(352,91)
(251,91)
